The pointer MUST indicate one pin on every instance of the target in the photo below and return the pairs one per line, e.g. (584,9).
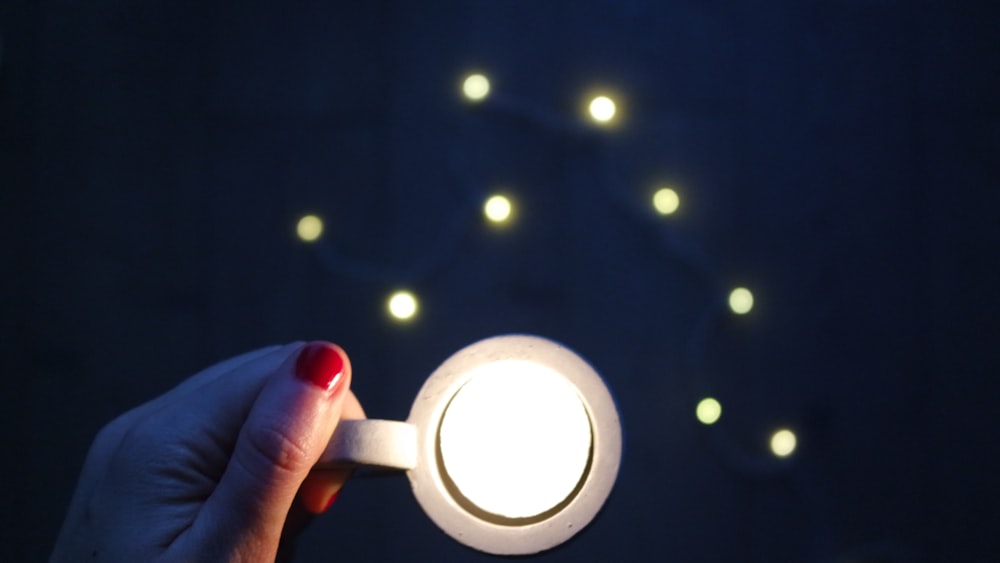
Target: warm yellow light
(310,227)
(666,201)
(497,209)
(708,411)
(783,442)
(741,300)
(476,87)
(602,109)
(516,439)
(402,305)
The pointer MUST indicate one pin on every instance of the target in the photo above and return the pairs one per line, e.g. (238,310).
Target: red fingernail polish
(329,503)
(320,364)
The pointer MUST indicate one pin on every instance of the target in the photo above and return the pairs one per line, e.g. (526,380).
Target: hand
(211,470)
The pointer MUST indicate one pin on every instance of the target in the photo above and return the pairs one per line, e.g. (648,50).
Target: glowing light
(476,87)
(402,305)
(708,411)
(310,227)
(783,442)
(602,109)
(666,201)
(515,440)
(741,300)
(497,209)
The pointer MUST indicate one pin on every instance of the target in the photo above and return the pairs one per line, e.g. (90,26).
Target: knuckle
(272,449)
(151,447)
(150,454)
(137,436)
(112,433)
(136,445)
(109,437)
(114,437)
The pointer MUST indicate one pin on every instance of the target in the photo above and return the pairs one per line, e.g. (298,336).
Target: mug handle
(371,443)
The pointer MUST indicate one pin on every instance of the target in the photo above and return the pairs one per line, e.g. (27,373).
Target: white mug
(512,445)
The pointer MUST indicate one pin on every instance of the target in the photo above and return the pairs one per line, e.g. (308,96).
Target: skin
(217,469)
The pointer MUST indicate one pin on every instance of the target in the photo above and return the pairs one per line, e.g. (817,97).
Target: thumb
(284,434)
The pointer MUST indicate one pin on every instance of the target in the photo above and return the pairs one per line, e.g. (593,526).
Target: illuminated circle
(309,228)
(402,305)
(515,440)
(708,411)
(741,300)
(666,201)
(476,87)
(563,499)
(602,109)
(783,442)
(497,209)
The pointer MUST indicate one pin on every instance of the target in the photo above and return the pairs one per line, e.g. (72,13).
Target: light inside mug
(511,447)
(515,440)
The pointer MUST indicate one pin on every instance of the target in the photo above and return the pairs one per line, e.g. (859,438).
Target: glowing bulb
(602,109)
(515,466)
(476,87)
(666,201)
(310,227)
(402,305)
(741,300)
(708,411)
(497,209)
(783,442)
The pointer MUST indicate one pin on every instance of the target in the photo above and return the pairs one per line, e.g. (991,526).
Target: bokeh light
(783,442)
(602,109)
(741,300)
(402,305)
(708,411)
(476,87)
(666,201)
(498,209)
(309,228)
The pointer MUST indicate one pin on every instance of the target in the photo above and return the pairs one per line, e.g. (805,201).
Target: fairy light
(666,201)
(476,87)
(498,209)
(402,305)
(741,300)
(708,411)
(602,109)
(309,228)
(783,443)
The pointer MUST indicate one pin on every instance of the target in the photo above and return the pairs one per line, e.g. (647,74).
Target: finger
(135,449)
(110,435)
(322,486)
(207,413)
(284,434)
(250,368)
(225,367)
(219,369)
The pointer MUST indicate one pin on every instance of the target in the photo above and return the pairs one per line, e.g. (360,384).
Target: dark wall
(837,157)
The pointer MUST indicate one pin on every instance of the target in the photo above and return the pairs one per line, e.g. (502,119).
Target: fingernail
(329,503)
(320,364)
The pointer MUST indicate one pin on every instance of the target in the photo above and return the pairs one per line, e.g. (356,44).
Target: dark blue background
(840,158)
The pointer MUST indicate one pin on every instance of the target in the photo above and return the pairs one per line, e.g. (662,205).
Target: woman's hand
(210,471)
